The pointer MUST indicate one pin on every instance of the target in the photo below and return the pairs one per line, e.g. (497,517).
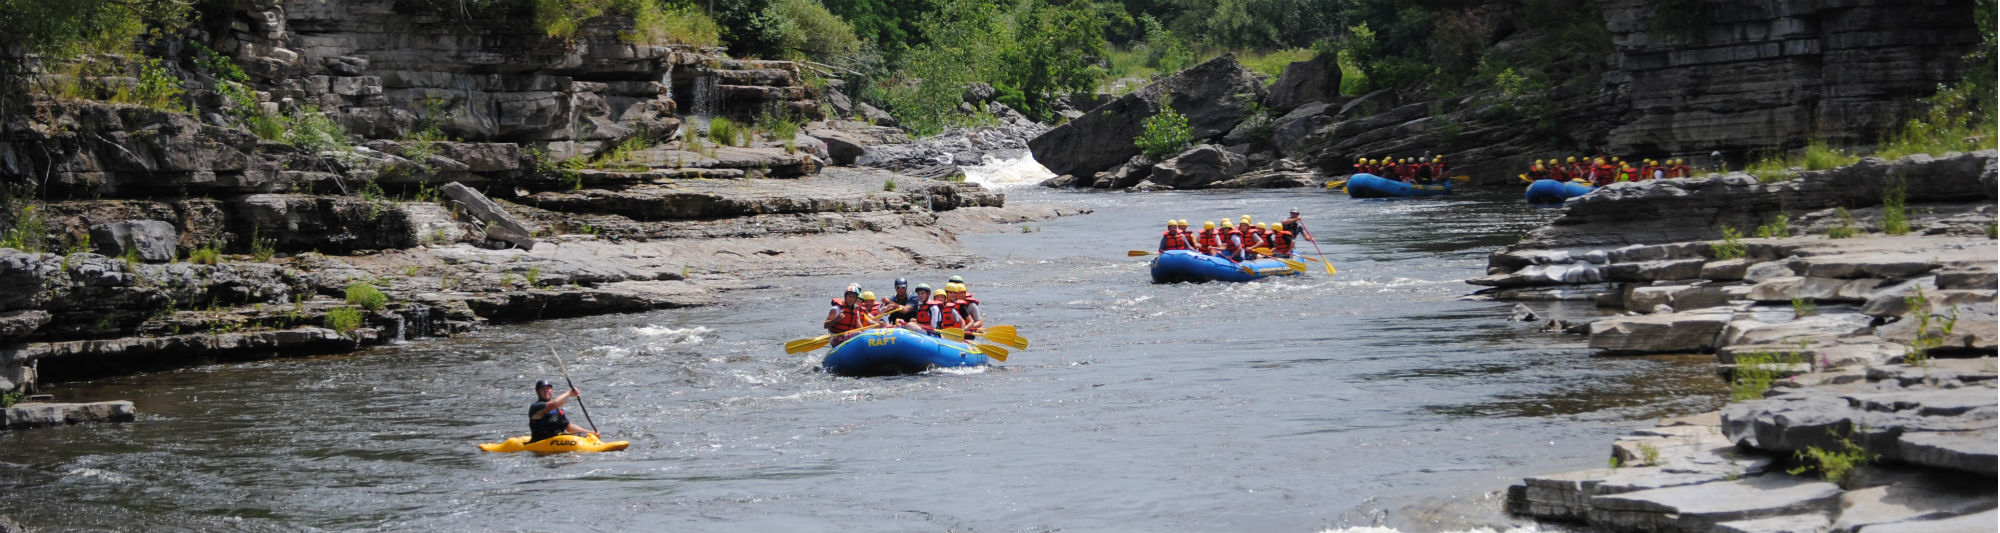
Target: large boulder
(1312,80)
(1198,168)
(1214,96)
(151,240)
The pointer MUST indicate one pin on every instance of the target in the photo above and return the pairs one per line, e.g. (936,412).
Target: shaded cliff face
(1740,77)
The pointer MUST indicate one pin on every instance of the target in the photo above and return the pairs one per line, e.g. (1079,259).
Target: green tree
(1059,52)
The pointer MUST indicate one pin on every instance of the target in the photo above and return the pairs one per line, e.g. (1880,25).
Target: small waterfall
(667,80)
(707,95)
(420,322)
(396,329)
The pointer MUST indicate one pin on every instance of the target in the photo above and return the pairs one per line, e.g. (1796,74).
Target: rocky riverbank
(420,189)
(1862,363)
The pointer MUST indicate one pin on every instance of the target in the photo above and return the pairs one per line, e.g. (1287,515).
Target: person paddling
(927,315)
(1210,240)
(1171,240)
(1281,242)
(846,315)
(545,416)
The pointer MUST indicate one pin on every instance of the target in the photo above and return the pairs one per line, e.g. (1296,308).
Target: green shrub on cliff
(1834,465)
(366,295)
(207,254)
(1731,246)
(28,232)
(1166,134)
(1895,216)
(344,320)
(1754,373)
(653,21)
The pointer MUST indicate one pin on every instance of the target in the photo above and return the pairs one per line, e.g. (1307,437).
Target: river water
(1375,397)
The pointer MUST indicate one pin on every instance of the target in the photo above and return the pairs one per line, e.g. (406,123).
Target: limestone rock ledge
(33,415)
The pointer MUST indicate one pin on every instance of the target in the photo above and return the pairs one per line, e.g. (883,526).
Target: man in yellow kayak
(545,416)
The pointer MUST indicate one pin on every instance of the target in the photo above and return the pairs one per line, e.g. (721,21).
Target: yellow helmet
(1600,161)
(1538,161)
(1437,158)
(1208,224)
(1183,223)
(954,287)
(868,296)
(1170,223)
(1361,160)
(1246,218)
(1572,159)
(1615,159)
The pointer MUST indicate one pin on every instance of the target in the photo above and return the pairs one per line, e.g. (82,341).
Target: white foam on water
(667,335)
(1006,171)
(100,475)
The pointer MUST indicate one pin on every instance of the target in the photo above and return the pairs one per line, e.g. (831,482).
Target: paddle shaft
(1322,255)
(572,386)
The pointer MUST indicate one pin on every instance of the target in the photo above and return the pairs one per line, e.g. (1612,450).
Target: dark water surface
(1375,396)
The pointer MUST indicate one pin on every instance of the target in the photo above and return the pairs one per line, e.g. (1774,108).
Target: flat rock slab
(1568,496)
(1775,524)
(1701,507)
(1688,332)
(33,415)
(1905,502)
(1957,524)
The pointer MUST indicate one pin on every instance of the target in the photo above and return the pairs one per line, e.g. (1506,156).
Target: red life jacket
(850,316)
(924,313)
(1231,238)
(948,317)
(1210,239)
(1172,240)
(1281,242)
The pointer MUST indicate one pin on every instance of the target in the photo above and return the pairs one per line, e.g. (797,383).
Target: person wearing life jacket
(965,307)
(1422,172)
(545,416)
(1360,165)
(1438,167)
(1210,239)
(928,312)
(847,314)
(1232,242)
(1627,173)
(1603,173)
(1291,222)
(1252,240)
(1573,171)
(1538,172)
(1282,240)
(1267,235)
(1171,240)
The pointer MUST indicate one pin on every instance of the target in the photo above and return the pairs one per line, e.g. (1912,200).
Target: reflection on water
(1378,396)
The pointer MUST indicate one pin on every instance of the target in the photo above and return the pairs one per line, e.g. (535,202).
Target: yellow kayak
(556,444)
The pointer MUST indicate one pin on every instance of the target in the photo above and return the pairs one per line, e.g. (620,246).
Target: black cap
(543,384)
(900,282)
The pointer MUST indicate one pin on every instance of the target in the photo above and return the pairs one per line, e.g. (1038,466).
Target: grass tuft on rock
(364,294)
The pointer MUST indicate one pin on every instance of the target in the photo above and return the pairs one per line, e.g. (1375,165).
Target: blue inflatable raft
(1183,265)
(1366,185)
(896,351)
(1554,192)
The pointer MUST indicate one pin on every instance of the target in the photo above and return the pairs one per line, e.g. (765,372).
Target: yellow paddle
(1462,178)
(1305,233)
(798,346)
(995,334)
(1295,265)
(1524,177)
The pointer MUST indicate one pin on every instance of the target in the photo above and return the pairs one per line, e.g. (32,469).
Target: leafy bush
(344,320)
(534,276)
(366,295)
(29,232)
(205,255)
(157,88)
(725,132)
(1755,372)
(670,23)
(808,30)
(1846,227)
(1731,246)
(1895,216)
(1833,465)
(1167,133)
(1779,227)
(314,132)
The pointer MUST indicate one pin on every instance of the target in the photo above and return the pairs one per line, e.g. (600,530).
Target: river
(1379,396)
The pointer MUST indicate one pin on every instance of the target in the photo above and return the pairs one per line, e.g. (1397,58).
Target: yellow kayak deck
(556,444)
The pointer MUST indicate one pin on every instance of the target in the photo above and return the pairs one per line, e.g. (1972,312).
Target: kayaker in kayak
(545,416)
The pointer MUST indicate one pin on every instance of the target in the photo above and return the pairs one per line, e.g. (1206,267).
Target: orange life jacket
(850,316)
(1172,240)
(1210,240)
(1281,242)
(1232,240)
(948,317)
(925,313)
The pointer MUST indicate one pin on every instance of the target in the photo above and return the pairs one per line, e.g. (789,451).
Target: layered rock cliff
(486,172)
